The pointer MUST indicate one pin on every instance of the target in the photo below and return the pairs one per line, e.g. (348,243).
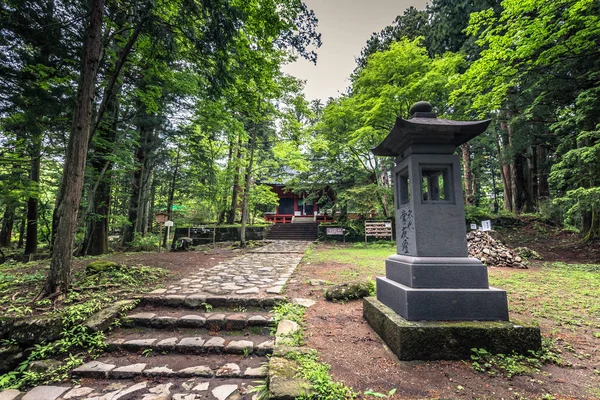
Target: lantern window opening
(402,188)
(436,184)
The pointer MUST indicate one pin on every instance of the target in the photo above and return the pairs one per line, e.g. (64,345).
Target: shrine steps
(294,231)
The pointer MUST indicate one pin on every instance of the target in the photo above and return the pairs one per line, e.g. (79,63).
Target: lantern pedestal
(447,340)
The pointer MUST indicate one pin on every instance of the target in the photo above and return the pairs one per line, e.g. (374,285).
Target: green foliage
(74,337)
(261,388)
(148,242)
(515,364)
(380,395)
(289,311)
(323,387)
(474,215)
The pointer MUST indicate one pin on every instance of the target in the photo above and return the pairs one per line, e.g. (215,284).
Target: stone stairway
(216,354)
(296,231)
(186,343)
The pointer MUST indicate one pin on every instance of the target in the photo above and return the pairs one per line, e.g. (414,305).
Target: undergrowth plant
(514,364)
(75,338)
(323,387)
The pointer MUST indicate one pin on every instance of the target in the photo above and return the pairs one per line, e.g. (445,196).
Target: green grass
(568,294)
(364,260)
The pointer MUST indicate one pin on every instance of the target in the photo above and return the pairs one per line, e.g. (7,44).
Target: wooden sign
(378,229)
(334,231)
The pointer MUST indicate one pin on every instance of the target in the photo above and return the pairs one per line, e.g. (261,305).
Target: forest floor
(560,292)
(140,272)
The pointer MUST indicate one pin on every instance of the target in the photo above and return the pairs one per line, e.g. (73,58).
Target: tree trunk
(236,182)
(505,170)
(138,213)
(542,178)
(59,276)
(7,225)
(32,203)
(96,237)
(247,189)
(468,177)
(171,197)
(22,231)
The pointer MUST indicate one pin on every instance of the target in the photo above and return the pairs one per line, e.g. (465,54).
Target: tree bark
(542,178)
(59,277)
(7,225)
(171,197)
(142,179)
(468,176)
(22,231)
(236,182)
(96,238)
(505,170)
(32,203)
(247,189)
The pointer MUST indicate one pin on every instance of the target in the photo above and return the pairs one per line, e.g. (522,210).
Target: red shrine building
(295,208)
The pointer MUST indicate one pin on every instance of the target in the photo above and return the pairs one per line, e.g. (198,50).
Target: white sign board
(334,231)
(473,227)
(486,225)
(169,223)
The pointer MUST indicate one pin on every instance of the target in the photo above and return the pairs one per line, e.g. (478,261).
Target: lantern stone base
(443,304)
(447,340)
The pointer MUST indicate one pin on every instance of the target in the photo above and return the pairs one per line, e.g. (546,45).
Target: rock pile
(491,252)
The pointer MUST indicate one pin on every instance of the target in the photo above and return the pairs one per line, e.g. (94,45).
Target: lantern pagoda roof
(424,128)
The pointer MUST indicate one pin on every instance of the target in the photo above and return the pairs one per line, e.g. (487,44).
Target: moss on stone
(448,340)
(101,266)
(283,383)
(347,291)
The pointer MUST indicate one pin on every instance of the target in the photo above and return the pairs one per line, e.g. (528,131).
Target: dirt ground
(360,359)
(180,264)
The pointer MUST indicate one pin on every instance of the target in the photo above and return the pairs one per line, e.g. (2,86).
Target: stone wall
(204,235)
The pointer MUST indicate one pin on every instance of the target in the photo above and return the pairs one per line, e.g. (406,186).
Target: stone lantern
(431,278)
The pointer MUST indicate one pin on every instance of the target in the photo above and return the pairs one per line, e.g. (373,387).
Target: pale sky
(345,26)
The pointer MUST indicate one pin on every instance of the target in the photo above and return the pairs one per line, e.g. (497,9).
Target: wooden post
(159,236)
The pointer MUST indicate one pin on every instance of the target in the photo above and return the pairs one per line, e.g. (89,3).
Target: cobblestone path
(259,272)
(206,338)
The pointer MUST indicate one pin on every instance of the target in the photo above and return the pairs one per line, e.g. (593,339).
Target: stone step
(174,365)
(198,341)
(170,318)
(159,297)
(146,388)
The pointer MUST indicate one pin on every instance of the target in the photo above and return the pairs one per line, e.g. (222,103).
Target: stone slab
(443,304)
(200,370)
(190,344)
(304,302)
(9,394)
(239,346)
(45,393)
(192,321)
(94,369)
(447,340)
(215,343)
(257,320)
(127,371)
(77,391)
(224,391)
(437,272)
(286,327)
(283,383)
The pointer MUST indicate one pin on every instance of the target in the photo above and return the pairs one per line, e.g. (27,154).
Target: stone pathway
(206,338)
(258,272)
